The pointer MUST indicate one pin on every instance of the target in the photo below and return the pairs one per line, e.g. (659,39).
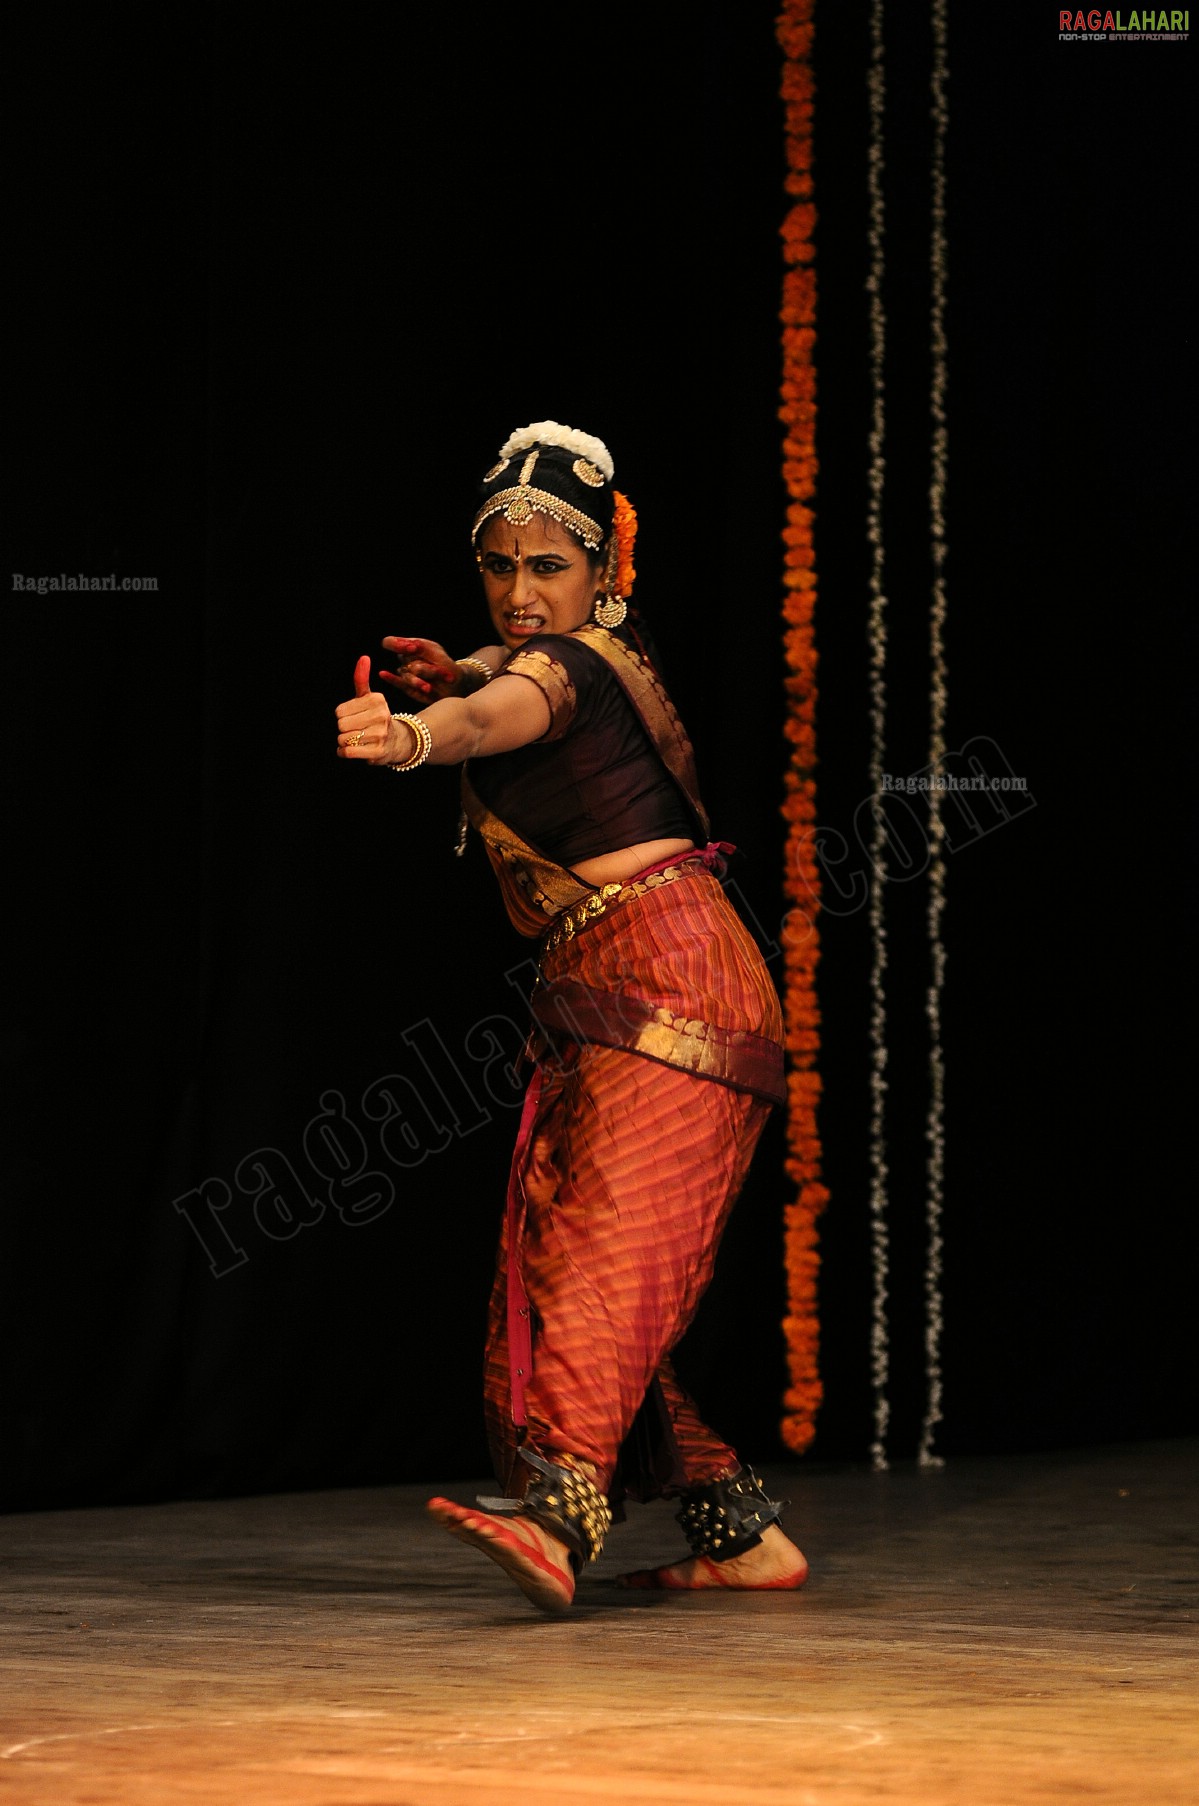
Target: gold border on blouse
(552,679)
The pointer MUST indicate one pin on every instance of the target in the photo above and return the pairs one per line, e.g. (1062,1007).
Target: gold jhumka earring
(610,608)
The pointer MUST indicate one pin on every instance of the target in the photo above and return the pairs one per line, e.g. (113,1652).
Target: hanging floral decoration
(802,877)
(938,706)
(877,635)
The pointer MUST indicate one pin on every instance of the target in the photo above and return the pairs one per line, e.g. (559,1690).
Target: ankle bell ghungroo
(724,1518)
(568,1505)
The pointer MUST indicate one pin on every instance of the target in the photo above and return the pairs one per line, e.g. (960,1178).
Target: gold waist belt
(601,902)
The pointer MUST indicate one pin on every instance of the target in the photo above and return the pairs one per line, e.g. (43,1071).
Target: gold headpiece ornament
(584,463)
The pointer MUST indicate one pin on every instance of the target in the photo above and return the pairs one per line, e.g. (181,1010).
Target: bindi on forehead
(536,538)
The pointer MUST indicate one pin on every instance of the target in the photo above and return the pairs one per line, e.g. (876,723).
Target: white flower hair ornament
(547,468)
(551,432)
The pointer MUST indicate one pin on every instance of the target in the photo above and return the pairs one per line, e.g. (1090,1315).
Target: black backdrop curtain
(284,281)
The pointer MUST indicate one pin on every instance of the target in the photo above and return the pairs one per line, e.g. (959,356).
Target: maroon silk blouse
(594,781)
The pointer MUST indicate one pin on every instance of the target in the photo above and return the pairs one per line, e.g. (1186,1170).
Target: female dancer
(657,1034)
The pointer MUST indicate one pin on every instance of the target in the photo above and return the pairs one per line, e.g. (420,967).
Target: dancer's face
(537,578)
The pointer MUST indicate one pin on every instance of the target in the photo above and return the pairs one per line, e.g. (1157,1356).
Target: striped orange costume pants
(627,1174)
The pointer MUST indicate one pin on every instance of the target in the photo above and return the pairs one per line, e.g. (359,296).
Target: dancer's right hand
(426,672)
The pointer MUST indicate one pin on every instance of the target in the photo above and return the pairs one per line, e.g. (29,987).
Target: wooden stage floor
(994,1633)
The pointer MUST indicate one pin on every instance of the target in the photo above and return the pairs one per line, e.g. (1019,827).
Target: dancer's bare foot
(774,1563)
(536,1561)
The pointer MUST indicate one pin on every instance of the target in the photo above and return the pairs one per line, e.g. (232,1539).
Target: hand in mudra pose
(365,729)
(426,671)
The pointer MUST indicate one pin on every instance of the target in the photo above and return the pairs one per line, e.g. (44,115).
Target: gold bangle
(424,743)
(476,664)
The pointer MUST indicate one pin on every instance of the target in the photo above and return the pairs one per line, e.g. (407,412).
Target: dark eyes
(544,567)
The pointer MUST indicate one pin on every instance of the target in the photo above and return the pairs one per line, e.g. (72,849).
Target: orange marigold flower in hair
(624,525)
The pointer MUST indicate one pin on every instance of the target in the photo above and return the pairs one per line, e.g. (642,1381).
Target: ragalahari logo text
(1102,27)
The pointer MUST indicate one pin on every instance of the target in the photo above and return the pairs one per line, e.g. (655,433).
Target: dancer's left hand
(365,729)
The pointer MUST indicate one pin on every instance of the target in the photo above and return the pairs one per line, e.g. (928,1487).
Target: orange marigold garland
(802,877)
(624,523)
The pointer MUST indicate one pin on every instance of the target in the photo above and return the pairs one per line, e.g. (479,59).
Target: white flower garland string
(879,1233)
(935,1124)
